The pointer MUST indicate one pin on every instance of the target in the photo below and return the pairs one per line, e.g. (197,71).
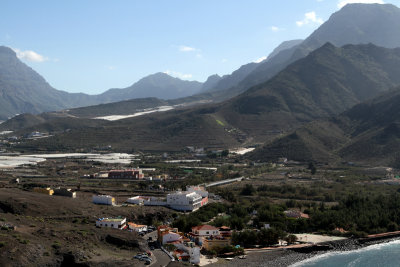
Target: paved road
(161,258)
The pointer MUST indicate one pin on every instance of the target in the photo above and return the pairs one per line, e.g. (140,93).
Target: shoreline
(292,256)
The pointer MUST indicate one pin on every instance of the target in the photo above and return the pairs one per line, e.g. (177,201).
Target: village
(153,209)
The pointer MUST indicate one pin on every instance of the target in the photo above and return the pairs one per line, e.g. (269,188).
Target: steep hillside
(211,82)
(284,46)
(366,133)
(353,24)
(326,82)
(315,141)
(360,24)
(231,80)
(22,90)
(228,83)
(374,127)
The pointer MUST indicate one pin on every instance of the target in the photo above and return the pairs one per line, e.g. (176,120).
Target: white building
(205,231)
(198,189)
(147,201)
(184,201)
(170,237)
(138,200)
(117,223)
(155,201)
(137,227)
(104,200)
(192,250)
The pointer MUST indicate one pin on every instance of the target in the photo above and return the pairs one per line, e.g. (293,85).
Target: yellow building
(213,242)
(47,191)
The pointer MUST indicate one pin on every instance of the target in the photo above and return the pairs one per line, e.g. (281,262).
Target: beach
(291,256)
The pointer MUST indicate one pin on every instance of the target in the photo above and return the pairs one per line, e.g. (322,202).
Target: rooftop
(111,219)
(135,225)
(204,227)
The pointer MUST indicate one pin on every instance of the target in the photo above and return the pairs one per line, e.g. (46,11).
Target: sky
(91,46)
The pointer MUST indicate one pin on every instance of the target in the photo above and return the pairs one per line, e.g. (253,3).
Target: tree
(290,239)
(312,168)
(268,237)
(248,190)
(224,153)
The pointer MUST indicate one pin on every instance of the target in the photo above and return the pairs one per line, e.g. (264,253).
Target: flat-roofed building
(117,223)
(184,201)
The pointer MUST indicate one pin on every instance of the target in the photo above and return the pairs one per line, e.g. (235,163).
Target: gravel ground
(281,258)
(266,258)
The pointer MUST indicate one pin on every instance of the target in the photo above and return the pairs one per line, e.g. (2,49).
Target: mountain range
(325,83)
(309,100)
(22,90)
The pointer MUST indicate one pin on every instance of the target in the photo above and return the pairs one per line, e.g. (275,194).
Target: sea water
(385,254)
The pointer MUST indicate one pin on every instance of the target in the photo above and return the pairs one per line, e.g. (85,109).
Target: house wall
(103,199)
(135,200)
(170,237)
(207,232)
(184,201)
(64,192)
(138,228)
(112,224)
(194,252)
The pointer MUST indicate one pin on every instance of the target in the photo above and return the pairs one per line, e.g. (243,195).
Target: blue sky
(91,46)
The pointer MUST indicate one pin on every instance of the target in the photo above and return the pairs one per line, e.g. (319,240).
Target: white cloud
(342,3)
(199,55)
(178,74)
(275,29)
(224,60)
(261,59)
(184,48)
(110,67)
(310,17)
(30,55)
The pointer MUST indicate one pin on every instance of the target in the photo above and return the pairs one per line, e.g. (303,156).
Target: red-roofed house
(202,231)
(166,234)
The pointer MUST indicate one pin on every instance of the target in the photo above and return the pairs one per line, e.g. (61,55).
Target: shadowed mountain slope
(366,133)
